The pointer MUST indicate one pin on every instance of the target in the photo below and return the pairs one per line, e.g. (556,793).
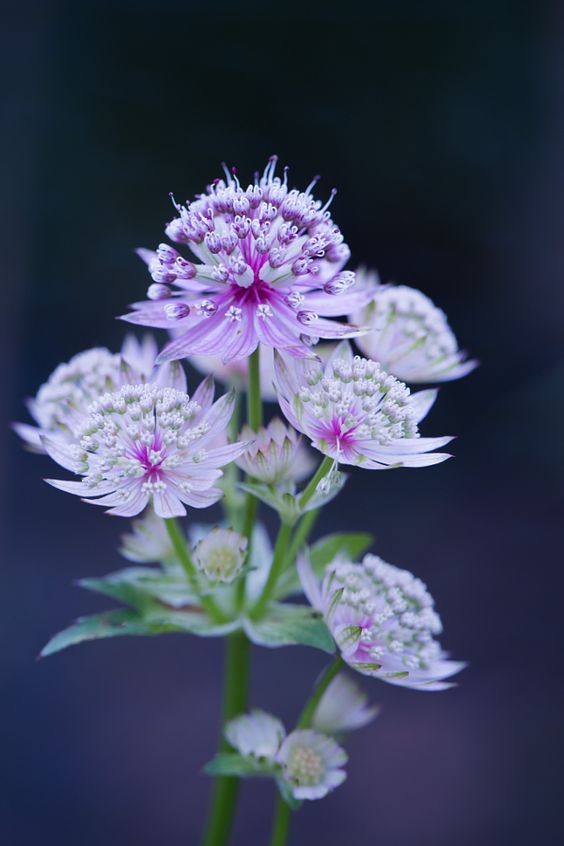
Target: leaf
(284,503)
(286,625)
(136,586)
(116,623)
(234,764)
(192,620)
(347,544)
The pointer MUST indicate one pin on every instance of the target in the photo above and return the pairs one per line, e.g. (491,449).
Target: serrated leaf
(136,586)
(286,625)
(350,545)
(284,503)
(118,623)
(193,621)
(234,764)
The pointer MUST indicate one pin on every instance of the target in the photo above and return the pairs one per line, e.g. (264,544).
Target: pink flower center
(150,457)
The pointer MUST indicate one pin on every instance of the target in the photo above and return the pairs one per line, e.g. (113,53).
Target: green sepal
(234,764)
(287,625)
(287,795)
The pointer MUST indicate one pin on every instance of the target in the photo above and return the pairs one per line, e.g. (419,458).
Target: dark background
(442,126)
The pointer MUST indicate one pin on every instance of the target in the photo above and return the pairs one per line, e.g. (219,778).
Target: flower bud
(220,555)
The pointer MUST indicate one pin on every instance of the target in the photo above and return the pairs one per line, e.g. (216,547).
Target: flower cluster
(409,336)
(146,444)
(355,412)
(269,270)
(383,621)
(308,763)
(73,386)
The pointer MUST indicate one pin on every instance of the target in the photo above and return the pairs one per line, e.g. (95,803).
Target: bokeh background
(442,126)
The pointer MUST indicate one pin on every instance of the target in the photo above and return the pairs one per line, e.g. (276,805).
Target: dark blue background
(442,126)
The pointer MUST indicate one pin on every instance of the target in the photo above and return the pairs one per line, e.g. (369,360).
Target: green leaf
(136,586)
(116,623)
(286,625)
(348,544)
(284,503)
(233,764)
(190,620)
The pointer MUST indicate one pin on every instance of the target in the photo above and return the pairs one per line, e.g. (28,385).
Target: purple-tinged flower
(409,336)
(312,764)
(220,555)
(269,270)
(256,734)
(343,707)
(383,621)
(355,412)
(146,444)
(61,402)
(277,454)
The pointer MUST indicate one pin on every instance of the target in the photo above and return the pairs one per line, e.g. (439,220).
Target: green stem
(254,402)
(325,680)
(281,824)
(180,546)
(282,817)
(278,562)
(301,535)
(322,471)
(254,421)
(224,799)
(231,496)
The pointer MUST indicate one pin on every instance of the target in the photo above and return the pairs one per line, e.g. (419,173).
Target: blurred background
(442,126)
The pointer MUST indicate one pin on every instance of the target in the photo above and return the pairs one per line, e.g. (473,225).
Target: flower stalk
(181,549)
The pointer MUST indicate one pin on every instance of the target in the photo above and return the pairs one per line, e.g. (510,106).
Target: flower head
(276,455)
(256,734)
(383,621)
(355,412)
(144,443)
(343,707)
(148,541)
(220,555)
(312,764)
(269,270)
(409,336)
(73,386)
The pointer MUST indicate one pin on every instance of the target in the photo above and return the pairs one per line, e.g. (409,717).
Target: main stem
(224,798)
(237,651)
(281,825)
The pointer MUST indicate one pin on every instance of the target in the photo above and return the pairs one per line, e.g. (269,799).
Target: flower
(343,707)
(234,372)
(311,764)
(276,455)
(410,337)
(355,412)
(383,621)
(148,541)
(74,385)
(256,734)
(144,443)
(306,764)
(220,555)
(270,271)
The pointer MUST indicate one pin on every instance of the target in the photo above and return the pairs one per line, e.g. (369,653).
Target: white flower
(343,707)
(256,734)
(220,555)
(275,455)
(410,337)
(311,764)
(60,403)
(148,542)
(383,621)
(355,412)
